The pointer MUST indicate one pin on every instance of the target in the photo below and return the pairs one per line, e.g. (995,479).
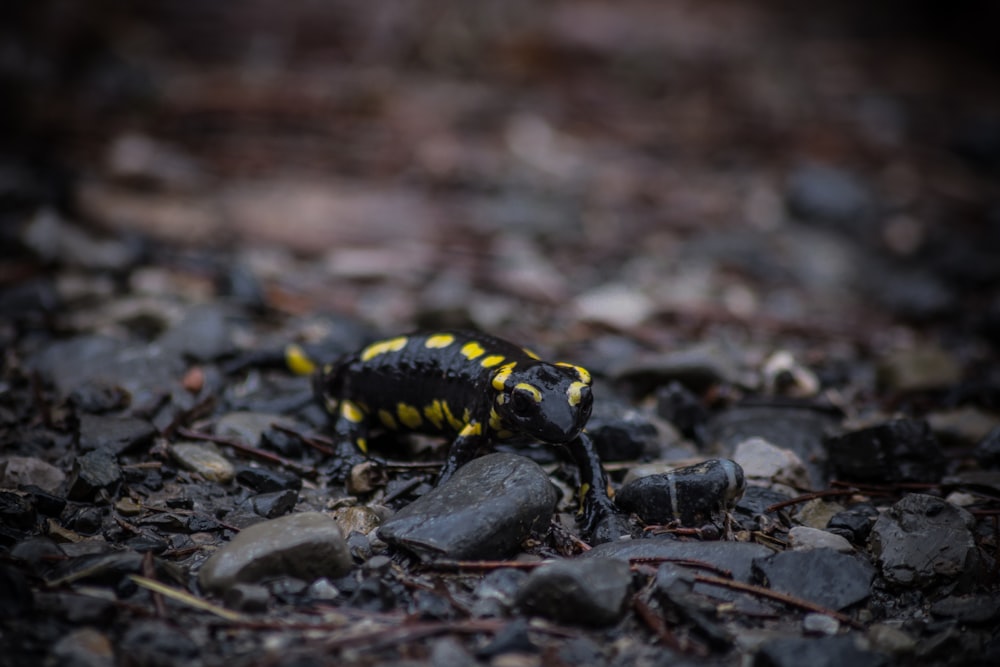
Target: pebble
(736,557)
(830,194)
(698,368)
(692,495)
(854,523)
(973,609)
(86,647)
(987,451)
(920,368)
(96,397)
(765,464)
(624,435)
(964,425)
(616,305)
(890,639)
(922,540)
(115,434)
(18,471)
(484,511)
(247,427)
(900,450)
(274,504)
(816,652)
(496,592)
(308,545)
(682,408)
(203,334)
(357,518)
(267,480)
(580,592)
(249,598)
(204,459)
(804,538)
(820,624)
(94,472)
(157,644)
(824,576)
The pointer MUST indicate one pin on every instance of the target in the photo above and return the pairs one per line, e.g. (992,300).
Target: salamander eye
(521,401)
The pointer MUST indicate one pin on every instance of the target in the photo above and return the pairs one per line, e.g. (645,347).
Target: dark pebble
(484,511)
(275,504)
(106,568)
(93,472)
(266,480)
(281,442)
(85,647)
(855,523)
(691,495)
(200,523)
(972,609)
(588,592)
(623,436)
(16,510)
(45,502)
(496,592)
(751,509)
(819,652)
(674,588)
(250,598)
(87,520)
(204,334)
(96,397)
(824,576)
(157,644)
(115,434)
(923,540)
(987,452)
(512,638)
(824,193)
(682,408)
(901,450)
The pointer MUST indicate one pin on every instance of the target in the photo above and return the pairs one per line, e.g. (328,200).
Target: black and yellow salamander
(476,389)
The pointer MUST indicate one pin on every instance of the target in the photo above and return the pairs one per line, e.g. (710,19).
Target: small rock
(855,523)
(357,518)
(816,513)
(94,472)
(16,510)
(116,434)
(816,652)
(202,335)
(617,306)
(96,397)
(698,367)
(249,598)
(16,471)
(765,464)
(804,538)
(86,647)
(623,436)
(829,194)
(922,540)
(823,576)
(971,609)
(735,557)
(157,644)
(323,589)
(204,459)
(784,375)
(682,408)
(692,495)
(484,511)
(267,480)
(275,504)
(901,450)
(988,450)
(247,427)
(307,545)
(963,426)
(890,639)
(820,624)
(582,592)
(920,368)
(496,592)
(128,507)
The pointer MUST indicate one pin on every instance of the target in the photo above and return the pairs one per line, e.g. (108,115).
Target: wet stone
(818,652)
(86,647)
(855,523)
(824,576)
(972,609)
(96,397)
(250,598)
(157,644)
(804,538)
(736,557)
(765,464)
(94,472)
(267,480)
(204,459)
(901,450)
(581,592)
(623,436)
(357,518)
(43,501)
(691,495)
(115,434)
(275,504)
(247,427)
(307,545)
(920,368)
(679,406)
(17,471)
(922,540)
(16,510)
(484,511)
(497,591)
(987,452)
(829,194)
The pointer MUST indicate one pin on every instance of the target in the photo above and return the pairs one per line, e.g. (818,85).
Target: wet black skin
(416,376)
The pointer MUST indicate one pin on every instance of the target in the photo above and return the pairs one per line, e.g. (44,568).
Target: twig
(686,562)
(247,449)
(184,597)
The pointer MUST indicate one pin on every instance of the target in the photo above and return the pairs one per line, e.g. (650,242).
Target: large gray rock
(308,545)
(485,511)
(585,592)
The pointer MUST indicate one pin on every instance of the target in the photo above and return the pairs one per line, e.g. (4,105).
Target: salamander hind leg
(602,521)
(463,449)
(350,439)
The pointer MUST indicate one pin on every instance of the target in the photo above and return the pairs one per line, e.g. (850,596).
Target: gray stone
(93,472)
(804,538)
(735,557)
(249,598)
(85,647)
(826,577)
(819,652)
(16,471)
(204,459)
(307,545)
(922,540)
(116,434)
(157,644)
(484,511)
(582,591)
(247,427)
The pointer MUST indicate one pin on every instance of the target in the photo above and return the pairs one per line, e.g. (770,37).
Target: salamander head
(550,402)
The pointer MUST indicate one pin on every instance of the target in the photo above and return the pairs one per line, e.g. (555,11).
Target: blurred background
(653,167)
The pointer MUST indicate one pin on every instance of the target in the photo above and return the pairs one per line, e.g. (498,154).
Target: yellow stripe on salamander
(472,350)
(438,341)
(409,415)
(298,361)
(383,347)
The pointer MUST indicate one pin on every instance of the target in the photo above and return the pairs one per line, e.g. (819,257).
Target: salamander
(476,390)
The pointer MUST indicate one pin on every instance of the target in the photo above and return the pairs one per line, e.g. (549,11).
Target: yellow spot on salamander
(573,392)
(362,445)
(435,413)
(438,341)
(409,415)
(350,411)
(530,353)
(298,361)
(529,389)
(491,361)
(472,350)
(382,347)
(584,490)
(387,419)
(502,374)
(456,424)
(581,372)
(495,422)
(471,430)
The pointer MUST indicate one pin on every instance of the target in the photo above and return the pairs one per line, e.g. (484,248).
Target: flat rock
(204,459)
(17,471)
(116,434)
(824,576)
(308,545)
(485,511)
(804,538)
(583,592)
(899,450)
(736,557)
(922,540)
(764,464)
(92,472)
(818,652)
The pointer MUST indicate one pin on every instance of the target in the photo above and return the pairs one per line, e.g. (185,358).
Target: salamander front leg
(601,519)
(462,450)
(351,442)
